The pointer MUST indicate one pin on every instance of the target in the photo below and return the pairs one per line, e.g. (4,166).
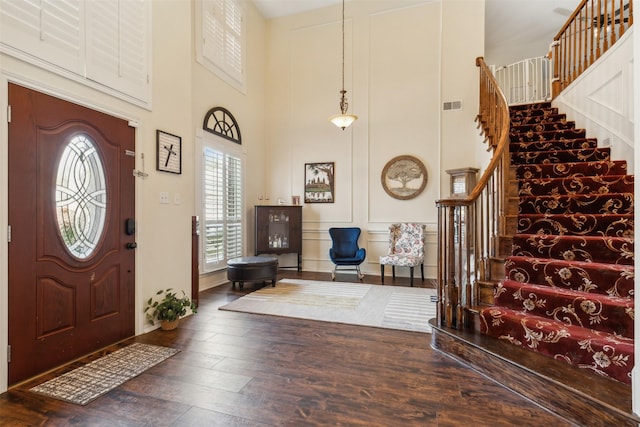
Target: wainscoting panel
(316,244)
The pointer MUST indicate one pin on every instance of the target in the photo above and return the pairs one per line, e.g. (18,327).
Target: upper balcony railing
(591,30)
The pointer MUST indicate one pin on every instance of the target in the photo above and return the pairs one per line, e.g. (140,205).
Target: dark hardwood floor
(238,369)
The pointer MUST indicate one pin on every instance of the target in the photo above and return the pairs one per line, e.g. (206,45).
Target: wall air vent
(453,105)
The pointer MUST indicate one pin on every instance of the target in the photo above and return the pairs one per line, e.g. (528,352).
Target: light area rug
(90,381)
(380,306)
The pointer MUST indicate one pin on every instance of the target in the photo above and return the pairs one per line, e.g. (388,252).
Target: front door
(71,211)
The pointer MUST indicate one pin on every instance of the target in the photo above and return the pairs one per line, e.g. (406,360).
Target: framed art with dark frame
(319,181)
(404,177)
(168,152)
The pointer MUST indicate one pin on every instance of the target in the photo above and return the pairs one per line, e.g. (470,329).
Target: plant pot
(169,325)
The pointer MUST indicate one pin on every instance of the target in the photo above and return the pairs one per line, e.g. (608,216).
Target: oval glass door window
(81,197)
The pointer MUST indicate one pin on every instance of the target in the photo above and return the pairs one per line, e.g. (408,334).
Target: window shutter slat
(222,43)
(117,45)
(50,30)
(222,202)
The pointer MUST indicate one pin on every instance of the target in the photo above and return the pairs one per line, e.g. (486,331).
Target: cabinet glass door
(278,229)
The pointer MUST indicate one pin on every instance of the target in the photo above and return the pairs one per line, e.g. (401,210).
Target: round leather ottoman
(252,268)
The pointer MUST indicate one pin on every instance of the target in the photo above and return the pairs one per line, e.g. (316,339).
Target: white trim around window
(220,43)
(220,200)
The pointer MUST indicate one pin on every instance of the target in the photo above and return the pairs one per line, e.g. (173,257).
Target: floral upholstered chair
(406,248)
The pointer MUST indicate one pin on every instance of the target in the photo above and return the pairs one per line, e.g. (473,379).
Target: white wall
(521,29)
(248,110)
(462,41)
(400,66)
(182,93)
(598,100)
(396,76)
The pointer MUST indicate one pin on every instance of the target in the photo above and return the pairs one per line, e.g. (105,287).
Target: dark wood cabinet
(279,230)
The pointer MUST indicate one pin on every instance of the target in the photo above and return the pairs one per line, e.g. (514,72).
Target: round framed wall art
(404,177)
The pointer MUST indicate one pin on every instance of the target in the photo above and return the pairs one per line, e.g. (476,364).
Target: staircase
(568,285)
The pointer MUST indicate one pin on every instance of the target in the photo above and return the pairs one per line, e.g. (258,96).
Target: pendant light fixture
(343,120)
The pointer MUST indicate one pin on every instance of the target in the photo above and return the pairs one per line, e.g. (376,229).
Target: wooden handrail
(593,27)
(500,127)
(468,227)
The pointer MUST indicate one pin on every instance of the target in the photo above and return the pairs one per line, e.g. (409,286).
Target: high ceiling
(514,28)
(510,29)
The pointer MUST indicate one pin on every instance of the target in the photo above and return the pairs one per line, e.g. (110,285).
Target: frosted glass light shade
(343,120)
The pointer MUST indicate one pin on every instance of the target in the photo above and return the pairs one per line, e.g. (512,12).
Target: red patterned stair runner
(569,283)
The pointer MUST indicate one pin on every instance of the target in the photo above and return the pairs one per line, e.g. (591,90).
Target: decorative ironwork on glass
(81,197)
(221,122)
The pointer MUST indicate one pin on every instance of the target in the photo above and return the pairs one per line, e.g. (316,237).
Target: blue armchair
(345,251)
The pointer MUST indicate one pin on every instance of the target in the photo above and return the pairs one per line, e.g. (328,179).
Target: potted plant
(168,307)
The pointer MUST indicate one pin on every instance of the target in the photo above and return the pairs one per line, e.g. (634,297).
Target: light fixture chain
(343,120)
(343,48)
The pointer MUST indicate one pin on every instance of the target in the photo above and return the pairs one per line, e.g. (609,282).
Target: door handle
(131,245)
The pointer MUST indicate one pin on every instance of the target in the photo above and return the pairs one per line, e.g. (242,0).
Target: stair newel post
(592,34)
(446,263)
(441,271)
(451,282)
(469,259)
(460,263)
(480,239)
(565,75)
(598,18)
(491,219)
(581,57)
(573,44)
(555,79)
(605,40)
(504,168)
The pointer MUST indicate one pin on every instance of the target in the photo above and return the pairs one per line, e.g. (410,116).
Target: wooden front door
(71,257)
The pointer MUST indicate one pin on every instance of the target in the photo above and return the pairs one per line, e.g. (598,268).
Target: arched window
(222,190)
(221,122)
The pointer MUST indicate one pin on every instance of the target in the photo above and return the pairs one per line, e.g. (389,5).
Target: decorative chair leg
(382,273)
(411,275)
(360,275)
(333,274)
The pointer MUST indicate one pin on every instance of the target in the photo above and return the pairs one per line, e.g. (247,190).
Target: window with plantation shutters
(221,40)
(51,30)
(102,44)
(234,206)
(118,48)
(222,202)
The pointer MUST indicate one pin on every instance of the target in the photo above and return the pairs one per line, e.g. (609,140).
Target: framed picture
(168,152)
(404,177)
(319,183)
